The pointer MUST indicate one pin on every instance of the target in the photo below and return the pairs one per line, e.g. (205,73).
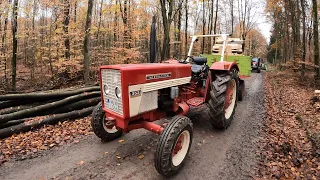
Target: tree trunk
(232,16)
(303,37)
(75,12)
(6,132)
(210,26)
(49,95)
(13,123)
(3,43)
(99,24)
(167,20)
(124,15)
(203,27)
(7,104)
(14,43)
(179,27)
(33,42)
(293,25)
(115,30)
(32,112)
(66,20)
(216,18)
(74,106)
(186,29)
(316,37)
(86,43)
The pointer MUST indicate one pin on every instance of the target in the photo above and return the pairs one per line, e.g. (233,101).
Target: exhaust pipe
(153,40)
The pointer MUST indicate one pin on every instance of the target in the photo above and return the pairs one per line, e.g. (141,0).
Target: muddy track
(215,154)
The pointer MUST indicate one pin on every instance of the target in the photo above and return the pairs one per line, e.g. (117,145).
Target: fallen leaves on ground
(25,145)
(80,163)
(289,150)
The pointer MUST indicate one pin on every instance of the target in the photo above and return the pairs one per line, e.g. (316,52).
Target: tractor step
(196,101)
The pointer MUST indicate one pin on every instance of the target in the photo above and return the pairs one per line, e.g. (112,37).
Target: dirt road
(214,154)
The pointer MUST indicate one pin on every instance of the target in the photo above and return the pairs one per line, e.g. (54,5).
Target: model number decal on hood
(134,94)
(158,76)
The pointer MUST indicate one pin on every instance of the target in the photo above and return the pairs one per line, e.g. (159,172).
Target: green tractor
(229,50)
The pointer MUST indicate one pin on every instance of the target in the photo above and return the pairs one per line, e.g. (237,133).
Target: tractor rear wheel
(259,70)
(241,90)
(173,146)
(105,129)
(223,99)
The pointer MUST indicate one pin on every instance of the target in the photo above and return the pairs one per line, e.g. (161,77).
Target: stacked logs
(18,110)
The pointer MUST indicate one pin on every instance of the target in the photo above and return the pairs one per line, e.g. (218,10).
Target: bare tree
(100,19)
(186,28)
(304,49)
(14,43)
(124,15)
(66,21)
(3,41)
(316,36)
(231,3)
(87,43)
(168,14)
(216,18)
(203,26)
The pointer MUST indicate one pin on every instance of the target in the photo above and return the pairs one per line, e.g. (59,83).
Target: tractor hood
(134,74)
(128,90)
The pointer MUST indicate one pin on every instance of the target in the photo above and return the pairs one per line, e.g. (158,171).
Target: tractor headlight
(118,92)
(106,89)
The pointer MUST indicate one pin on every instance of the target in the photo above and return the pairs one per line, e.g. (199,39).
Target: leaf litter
(289,147)
(29,144)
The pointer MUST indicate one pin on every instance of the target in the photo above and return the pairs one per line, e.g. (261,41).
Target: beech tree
(14,43)
(316,37)
(66,21)
(86,43)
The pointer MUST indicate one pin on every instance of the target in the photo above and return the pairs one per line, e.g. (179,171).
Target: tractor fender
(217,66)
(224,66)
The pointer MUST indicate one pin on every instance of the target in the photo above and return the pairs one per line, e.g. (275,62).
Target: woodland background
(47,44)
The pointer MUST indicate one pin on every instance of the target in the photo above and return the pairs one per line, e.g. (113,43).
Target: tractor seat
(200,60)
(195,68)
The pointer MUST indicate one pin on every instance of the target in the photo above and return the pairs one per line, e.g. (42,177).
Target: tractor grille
(111,79)
(149,101)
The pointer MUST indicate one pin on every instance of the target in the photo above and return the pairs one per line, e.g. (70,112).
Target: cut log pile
(18,112)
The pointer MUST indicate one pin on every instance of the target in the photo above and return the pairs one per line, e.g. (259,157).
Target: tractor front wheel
(173,146)
(105,129)
(223,99)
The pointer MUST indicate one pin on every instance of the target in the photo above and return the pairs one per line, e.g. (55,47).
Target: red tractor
(136,95)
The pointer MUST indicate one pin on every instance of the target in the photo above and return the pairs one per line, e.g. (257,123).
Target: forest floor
(290,145)
(273,136)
